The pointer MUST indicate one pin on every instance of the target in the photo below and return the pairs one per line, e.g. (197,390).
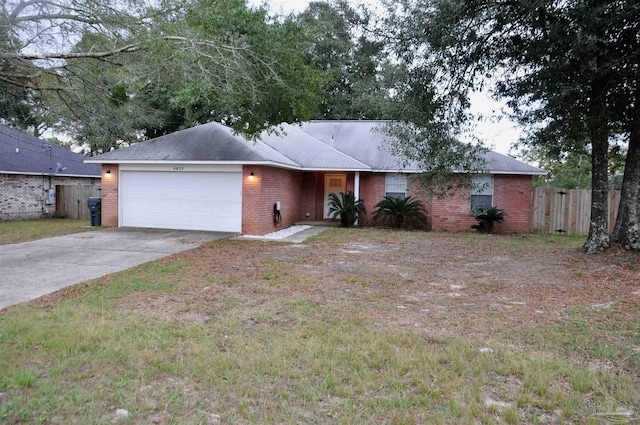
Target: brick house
(30,169)
(207,178)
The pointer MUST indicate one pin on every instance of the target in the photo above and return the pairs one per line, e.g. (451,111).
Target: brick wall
(110,195)
(511,193)
(260,192)
(309,197)
(22,197)
(372,190)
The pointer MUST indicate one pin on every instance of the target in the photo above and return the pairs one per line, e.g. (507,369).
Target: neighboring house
(30,169)
(207,178)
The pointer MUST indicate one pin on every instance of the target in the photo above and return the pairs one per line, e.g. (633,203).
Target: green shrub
(399,212)
(346,207)
(486,218)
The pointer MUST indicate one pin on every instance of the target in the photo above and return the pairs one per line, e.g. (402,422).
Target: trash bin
(95,210)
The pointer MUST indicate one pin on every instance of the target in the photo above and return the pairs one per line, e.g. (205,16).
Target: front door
(333,183)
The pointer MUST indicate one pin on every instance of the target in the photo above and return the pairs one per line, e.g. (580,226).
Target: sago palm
(401,211)
(346,207)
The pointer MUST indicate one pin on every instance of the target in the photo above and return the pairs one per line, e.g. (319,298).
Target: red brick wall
(371,192)
(269,185)
(109,195)
(452,213)
(309,197)
(512,193)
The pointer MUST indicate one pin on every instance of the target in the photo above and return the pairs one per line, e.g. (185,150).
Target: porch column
(356,188)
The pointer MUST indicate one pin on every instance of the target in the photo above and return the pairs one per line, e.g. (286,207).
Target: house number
(178,168)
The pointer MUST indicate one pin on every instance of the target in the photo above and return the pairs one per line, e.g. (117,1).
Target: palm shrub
(346,207)
(486,217)
(399,212)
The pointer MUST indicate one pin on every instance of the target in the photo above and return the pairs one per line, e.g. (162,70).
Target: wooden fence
(567,211)
(71,201)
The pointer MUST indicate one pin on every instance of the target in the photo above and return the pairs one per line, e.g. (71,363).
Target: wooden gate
(71,201)
(567,211)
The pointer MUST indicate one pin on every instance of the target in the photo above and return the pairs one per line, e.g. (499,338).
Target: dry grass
(354,326)
(29,230)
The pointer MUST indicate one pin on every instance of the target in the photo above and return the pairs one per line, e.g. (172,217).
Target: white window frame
(395,185)
(481,188)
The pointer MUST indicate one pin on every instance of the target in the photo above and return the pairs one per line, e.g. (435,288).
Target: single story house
(30,169)
(208,178)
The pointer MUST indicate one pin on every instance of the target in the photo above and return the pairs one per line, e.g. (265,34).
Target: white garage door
(181,200)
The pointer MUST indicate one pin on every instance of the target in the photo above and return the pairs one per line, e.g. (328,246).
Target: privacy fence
(71,201)
(567,211)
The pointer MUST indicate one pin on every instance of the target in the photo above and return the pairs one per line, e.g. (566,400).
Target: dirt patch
(444,285)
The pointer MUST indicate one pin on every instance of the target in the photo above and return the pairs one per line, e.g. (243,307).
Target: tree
(355,74)
(177,63)
(557,63)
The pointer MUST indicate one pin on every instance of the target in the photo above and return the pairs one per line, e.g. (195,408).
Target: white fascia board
(173,162)
(268,163)
(334,170)
(515,173)
(521,173)
(26,173)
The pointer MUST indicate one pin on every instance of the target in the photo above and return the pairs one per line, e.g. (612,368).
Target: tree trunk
(598,239)
(627,228)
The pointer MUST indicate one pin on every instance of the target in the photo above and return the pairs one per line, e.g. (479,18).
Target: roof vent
(17,150)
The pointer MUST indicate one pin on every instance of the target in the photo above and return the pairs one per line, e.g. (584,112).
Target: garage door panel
(190,201)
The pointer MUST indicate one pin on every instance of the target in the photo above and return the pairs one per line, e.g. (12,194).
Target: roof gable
(21,153)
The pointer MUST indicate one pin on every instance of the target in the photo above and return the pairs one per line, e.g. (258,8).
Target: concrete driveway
(32,269)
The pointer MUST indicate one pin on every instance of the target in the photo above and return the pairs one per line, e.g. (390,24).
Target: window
(395,186)
(481,192)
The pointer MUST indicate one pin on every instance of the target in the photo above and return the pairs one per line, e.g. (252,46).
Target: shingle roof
(25,154)
(315,145)
(211,142)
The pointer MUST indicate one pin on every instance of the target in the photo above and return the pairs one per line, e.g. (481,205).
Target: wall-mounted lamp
(108,171)
(251,176)
(107,174)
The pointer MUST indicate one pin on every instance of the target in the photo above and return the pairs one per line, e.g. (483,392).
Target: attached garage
(181,199)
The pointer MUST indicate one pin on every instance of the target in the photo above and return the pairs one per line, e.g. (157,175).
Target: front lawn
(354,327)
(29,230)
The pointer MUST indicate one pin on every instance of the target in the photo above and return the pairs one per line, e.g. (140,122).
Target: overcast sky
(497,135)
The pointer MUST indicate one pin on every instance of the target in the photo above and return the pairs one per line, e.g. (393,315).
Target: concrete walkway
(32,269)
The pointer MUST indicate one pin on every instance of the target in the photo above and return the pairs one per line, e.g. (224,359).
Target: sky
(496,130)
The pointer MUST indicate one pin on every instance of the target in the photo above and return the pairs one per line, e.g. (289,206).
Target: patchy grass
(29,230)
(354,326)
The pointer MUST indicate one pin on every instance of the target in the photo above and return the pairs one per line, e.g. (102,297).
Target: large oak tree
(122,71)
(568,69)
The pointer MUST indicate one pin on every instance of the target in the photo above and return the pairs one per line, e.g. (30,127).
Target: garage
(178,199)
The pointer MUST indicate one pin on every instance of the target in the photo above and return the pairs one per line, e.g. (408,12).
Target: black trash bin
(95,210)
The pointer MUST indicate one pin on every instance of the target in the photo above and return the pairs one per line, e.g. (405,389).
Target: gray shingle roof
(315,145)
(24,154)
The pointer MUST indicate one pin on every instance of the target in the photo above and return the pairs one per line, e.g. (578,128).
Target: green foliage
(346,207)
(567,69)
(401,212)
(486,218)
(138,70)
(444,161)
(355,72)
